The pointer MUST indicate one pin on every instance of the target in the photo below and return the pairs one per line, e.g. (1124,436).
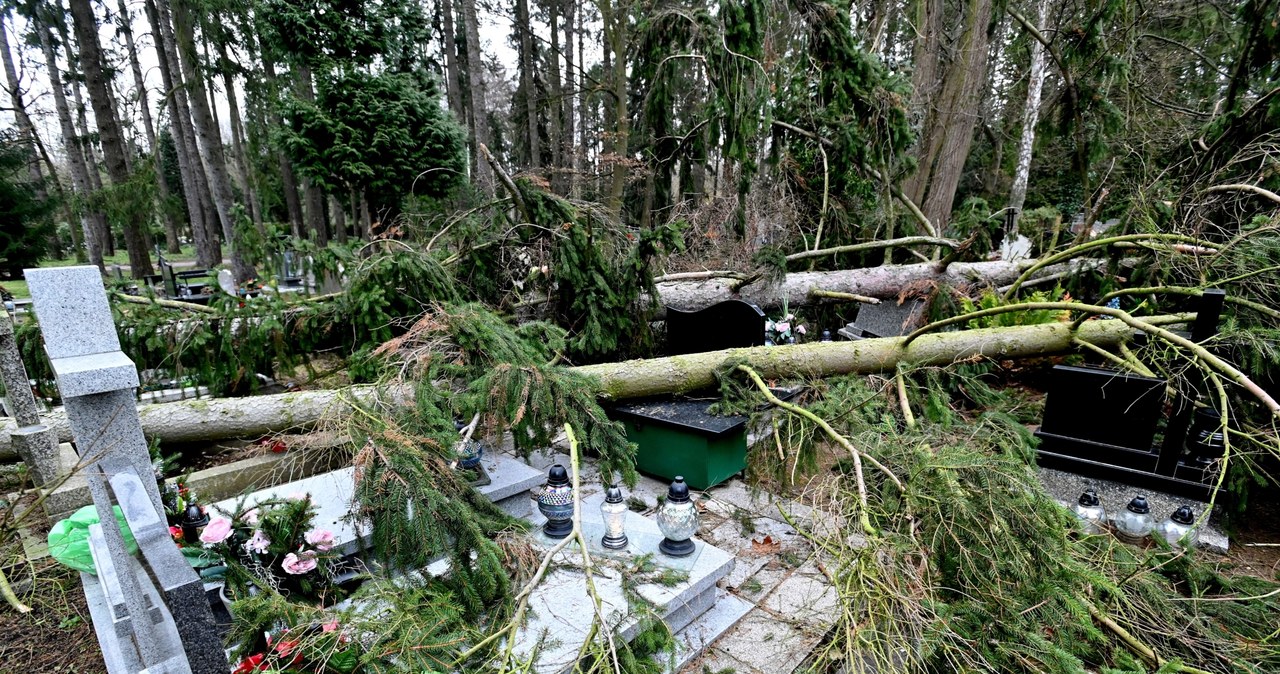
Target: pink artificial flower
(783,327)
(801,329)
(330,626)
(295,565)
(257,543)
(322,539)
(251,517)
(217,531)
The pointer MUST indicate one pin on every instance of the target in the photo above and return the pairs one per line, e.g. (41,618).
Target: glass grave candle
(678,520)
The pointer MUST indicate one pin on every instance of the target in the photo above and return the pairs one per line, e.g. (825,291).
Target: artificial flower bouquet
(782,331)
(274,545)
(326,647)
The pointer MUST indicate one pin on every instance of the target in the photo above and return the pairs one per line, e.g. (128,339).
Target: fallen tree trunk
(224,418)
(884,282)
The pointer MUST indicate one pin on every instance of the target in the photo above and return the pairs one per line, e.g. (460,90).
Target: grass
(18,287)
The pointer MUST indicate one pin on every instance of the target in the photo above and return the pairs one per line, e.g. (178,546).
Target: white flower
(257,543)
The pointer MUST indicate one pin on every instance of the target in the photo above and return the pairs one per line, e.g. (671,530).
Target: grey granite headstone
(96,381)
(886,319)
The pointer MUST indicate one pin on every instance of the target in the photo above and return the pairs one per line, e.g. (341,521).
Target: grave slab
(561,610)
(693,640)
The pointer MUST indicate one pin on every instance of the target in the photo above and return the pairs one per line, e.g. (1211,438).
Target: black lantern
(826,336)
(193,520)
(555,501)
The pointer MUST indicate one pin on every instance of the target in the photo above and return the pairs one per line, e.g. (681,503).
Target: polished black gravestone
(725,325)
(1103,423)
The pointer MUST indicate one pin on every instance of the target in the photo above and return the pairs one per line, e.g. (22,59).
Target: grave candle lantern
(1179,529)
(614,513)
(193,520)
(555,502)
(1134,524)
(678,520)
(1091,513)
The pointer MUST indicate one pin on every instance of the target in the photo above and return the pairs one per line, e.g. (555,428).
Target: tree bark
(481,172)
(449,45)
(568,152)
(555,123)
(71,144)
(524,29)
(113,150)
(614,21)
(237,140)
(190,167)
(312,197)
(1030,117)
(339,219)
(224,418)
(102,229)
(207,134)
(952,131)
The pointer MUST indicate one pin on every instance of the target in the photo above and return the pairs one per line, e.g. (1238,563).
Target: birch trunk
(1030,117)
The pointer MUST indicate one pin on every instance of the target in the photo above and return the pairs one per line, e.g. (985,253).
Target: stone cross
(97,382)
(36,443)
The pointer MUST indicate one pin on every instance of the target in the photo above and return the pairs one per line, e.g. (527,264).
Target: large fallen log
(224,418)
(884,282)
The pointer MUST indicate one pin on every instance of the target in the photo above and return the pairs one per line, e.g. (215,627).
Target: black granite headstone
(726,325)
(1104,406)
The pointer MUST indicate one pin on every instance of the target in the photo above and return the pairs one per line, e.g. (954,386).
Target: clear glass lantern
(614,513)
(1093,517)
(1179,530)
(1134,523)
(678,520)
(555,502)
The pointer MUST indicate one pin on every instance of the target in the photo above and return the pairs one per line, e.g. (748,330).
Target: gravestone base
(38,447)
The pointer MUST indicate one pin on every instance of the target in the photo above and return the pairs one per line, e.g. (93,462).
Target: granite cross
(97,382)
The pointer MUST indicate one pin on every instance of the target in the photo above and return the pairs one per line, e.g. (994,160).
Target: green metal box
(678,437)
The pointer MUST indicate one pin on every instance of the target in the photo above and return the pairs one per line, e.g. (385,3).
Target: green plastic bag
(69,539)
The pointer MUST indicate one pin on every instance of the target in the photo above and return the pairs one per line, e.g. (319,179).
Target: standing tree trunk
(190,168)
(106,241)
(481,172)
(568,154)
(1030,117)
(70,143)
(206,132)
(288,181)
(237,139)
(312,197)
(526,79)
(28,131)
(614,20)
(948,137)
(554,124)
(95,74)
(339,220)
(453,77)
(580,157)
(171,243)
